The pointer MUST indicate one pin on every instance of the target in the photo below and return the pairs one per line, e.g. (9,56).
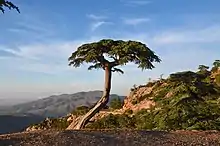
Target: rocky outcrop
(136,95)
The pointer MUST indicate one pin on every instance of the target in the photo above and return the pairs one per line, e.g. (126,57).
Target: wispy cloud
(96,25)
(135,21)
(136,2)
(49,58)
(209,34)
(96,17)
(98,21)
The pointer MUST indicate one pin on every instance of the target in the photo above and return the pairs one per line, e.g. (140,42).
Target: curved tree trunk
(99,105)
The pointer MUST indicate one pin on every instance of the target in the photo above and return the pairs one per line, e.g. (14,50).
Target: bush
(116,103)
(128,112)
(144,120)
(81,110)
(57,124)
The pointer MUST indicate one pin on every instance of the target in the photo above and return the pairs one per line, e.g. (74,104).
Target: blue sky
(35,44)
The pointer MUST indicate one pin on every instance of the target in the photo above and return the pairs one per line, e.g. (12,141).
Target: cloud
(97,21)
(98,24)
(96,17)
(135,21)
(48,58)
(209,34)
(136,2)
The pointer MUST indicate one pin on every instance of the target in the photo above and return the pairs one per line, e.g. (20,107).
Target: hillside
(184,101)
(55,105)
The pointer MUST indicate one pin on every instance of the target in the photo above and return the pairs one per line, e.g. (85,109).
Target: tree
(8,4)
(216,65)
(203,68)
(116,103)
(107,54)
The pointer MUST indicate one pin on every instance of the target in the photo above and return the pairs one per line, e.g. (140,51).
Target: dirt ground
(112,138)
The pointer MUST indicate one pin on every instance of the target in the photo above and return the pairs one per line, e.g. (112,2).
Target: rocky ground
(111,138)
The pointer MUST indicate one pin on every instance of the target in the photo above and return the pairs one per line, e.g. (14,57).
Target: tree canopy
(203,68)
(121,52)
(8,4)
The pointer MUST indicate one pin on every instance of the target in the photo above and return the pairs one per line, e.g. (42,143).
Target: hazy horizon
(37,42)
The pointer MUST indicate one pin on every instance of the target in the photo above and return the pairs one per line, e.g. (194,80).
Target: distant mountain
(55,105)
(13,101)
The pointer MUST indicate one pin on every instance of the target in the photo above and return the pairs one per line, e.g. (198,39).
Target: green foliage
(150,84)
(203,68)
(116,103)
(128,112)
(216,63)
(122,52)
(7,4)
(144,120)
(81,110)
(187,100)
(57,124)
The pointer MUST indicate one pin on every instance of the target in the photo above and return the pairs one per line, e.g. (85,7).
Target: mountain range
(22,115)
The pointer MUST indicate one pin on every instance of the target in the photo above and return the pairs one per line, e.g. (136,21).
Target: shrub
(81,110)
(116,103)
(128,112)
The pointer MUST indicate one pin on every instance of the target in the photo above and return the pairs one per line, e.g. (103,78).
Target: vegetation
(54,123)
(216,65)
(81,110)
(107,54)
(7,4)
(185,100)
(116,103)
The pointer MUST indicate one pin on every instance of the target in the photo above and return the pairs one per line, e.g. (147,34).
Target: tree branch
(117,70)
(9,5)
(96,66)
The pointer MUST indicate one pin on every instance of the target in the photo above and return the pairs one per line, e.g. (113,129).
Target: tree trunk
(99,105)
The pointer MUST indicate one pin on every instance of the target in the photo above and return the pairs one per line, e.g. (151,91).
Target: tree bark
(99,105)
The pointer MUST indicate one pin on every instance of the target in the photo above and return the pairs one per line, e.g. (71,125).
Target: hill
(55,105)
(184,101)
